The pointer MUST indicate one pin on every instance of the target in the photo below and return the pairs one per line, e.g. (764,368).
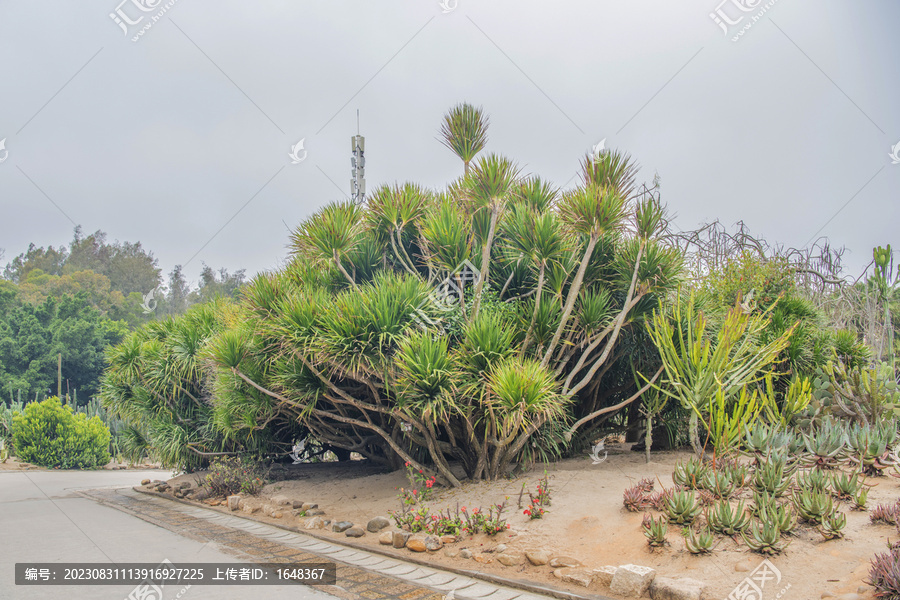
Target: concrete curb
(487,577)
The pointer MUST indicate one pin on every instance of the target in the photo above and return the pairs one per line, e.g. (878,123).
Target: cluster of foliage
(231,475)
(458,521)
(538,500)
(52,435)
(356,340)
(420,486)
(157,384)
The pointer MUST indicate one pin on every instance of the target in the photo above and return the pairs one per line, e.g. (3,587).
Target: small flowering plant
(536,502)
(420,486)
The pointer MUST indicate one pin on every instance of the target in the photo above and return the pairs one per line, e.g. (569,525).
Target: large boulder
(510,559)
(666,588)
(577,575)
(632,581)
(355,532)
(421,543)
(234,502)
(538,557)
(341,526)
(377,524)
(604,575)
(386,538)
(401,538)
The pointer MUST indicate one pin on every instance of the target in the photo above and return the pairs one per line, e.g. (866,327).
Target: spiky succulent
(859,500)
(655,530)
(813,506)
(847,486)
(689,473)
(699,542)
(833,524)
(726,519)
(870,447)
(885,513)
(718,483)
(772,476)
(764,538)
(825,445)
(634,500)
(658,499)
(682,507)
(770,511)
(646,485)
(815,480)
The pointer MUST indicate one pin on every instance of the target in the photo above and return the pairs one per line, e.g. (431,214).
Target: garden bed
(586,521)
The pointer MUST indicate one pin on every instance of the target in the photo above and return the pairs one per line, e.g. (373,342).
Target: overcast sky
(181,139)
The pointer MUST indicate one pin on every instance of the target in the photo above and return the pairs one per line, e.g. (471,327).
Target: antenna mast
(358,166)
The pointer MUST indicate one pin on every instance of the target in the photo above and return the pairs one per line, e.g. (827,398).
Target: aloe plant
(815,480)
(870,447)
(726,519)
(658,499)
(859,500)
(773,476)
(825,445)
(770,511)
(813,506)
(699,542)
(886,513)
(689,473)
(764,538)
(847,486)
(634,499)
(682,507)
(655,530)
(832,525)
(718,483)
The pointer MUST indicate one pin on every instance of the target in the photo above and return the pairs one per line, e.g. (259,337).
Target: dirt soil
(588,522)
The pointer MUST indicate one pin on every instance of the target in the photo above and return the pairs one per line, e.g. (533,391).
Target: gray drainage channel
(462,586)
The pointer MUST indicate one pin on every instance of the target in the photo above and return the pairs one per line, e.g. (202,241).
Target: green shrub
(51,435)
(235,475)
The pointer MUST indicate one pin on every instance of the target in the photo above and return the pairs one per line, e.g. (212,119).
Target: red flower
(507,525)
(526,512)
(415,491)
(429,484)
(407,463)
(534,500)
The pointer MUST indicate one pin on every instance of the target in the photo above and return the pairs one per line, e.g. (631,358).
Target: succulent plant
(773,476)
(870,447)
(815,480)
(847,486)
(726,519)
(768,510)
(634,500)
(813,506)
(718,483)
(886,513)
(884,574)
(689,474)
(859,500)
(833,524)
(764,538)
(658,499)
(646,485)
(699,542)
(682,507)
(655,530)
(825,445)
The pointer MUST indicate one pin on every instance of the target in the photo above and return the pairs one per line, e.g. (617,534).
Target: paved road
(42,519)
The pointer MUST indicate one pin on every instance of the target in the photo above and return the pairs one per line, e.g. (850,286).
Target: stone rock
(315,512)
(500,548)
(576,575)
(314,523)
(827,594)
(184,485)
(465,553)
(249,508)
(483,559)
(178,493)
(604,575)
(538,557)
(416,543)
(297,505)
(377,524)
(400,539)
(211,502)
(667,588)
(510,559)
(145,482)
(276,514)
(451,552)
(309,506)
(632,581)
(281,500)
(355,532)
(162,487)
(850,596)
(200,494)
(448,539)
(386,538)
(562,562)
(341,526)
(433,543)
(863,589)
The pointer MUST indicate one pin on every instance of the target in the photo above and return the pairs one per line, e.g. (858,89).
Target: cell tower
(358,166)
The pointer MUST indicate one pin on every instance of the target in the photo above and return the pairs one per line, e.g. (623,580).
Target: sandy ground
(587,521)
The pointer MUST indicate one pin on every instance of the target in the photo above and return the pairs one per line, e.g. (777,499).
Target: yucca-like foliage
(479,325)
